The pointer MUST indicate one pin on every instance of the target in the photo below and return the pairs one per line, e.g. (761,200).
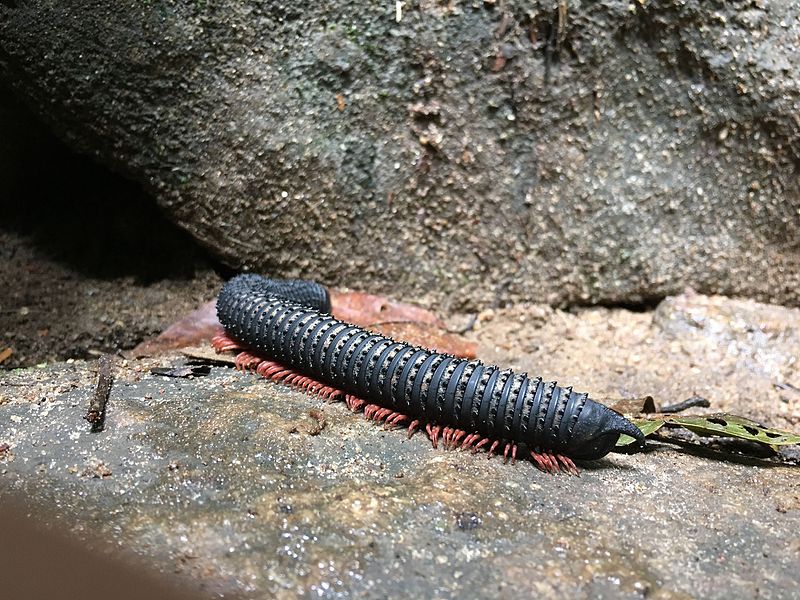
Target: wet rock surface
(247,488)
(559,152)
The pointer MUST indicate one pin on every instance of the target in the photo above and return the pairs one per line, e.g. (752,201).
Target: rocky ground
(245,488)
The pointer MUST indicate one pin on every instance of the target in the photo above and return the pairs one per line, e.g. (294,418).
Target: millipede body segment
(284,332)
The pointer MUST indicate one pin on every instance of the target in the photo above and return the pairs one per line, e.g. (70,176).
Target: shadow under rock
(80,214)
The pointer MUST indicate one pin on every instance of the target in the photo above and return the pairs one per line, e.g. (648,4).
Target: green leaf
(734,426)
(723,424)
(647,426)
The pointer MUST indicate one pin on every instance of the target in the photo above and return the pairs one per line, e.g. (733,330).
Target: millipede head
(597,430)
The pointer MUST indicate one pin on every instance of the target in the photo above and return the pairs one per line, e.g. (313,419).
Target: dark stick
(688,403)
(97,408)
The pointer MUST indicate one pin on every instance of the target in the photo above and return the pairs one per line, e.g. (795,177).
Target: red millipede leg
(278,373)
(265,366)
(492,448)
(222,343)
(540,462)
(395,419)
(433,433)
(480,444)
(245,361)
(355,404)
(552,462)
(568,465)
(456,438)
(470,440)
(270,369)
(412,428)
(381,414)
(304,383)
(446,437)
(370,410)
(330,394)
(507,450)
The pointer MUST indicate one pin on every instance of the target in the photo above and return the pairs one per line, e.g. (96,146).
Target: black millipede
(283,331)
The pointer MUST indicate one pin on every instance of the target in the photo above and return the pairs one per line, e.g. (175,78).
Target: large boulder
(465,153)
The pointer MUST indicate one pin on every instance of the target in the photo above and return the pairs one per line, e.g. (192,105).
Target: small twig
(97,407)
(688,403)
(786,386)
(398,322)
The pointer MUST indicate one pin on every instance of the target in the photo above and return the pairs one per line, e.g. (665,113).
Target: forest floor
(248,489)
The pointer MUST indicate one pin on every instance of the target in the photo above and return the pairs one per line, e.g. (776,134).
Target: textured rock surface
(230,482)
(473,152)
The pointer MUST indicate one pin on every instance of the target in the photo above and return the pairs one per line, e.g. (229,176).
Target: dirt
(59,313)
(88,264)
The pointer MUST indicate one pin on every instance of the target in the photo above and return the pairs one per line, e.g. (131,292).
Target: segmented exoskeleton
(286,334)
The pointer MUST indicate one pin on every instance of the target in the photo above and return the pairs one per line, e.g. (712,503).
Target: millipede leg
(551,462)
(433,433)
(245,361)
(510,448)
(265,366)
(395,418)
(381,414)
(446,437)
(293,379)
(278,373)
(355,404)
(480,444)
(568,465)
(304,383)
(330,394)
(540,461)
(469,440)
(281,375)
(493,447)
(222,343)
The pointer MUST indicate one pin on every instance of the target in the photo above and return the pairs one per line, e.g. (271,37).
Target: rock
(470,153)
(230,482)
(762,339)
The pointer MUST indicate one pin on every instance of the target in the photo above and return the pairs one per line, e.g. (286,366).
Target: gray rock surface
(229,481)
(471,153)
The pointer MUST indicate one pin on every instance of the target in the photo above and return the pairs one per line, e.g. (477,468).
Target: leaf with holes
(647,427)
(733,426)
(722,424)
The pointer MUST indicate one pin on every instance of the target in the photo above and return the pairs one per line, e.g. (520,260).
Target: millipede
(283,331)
